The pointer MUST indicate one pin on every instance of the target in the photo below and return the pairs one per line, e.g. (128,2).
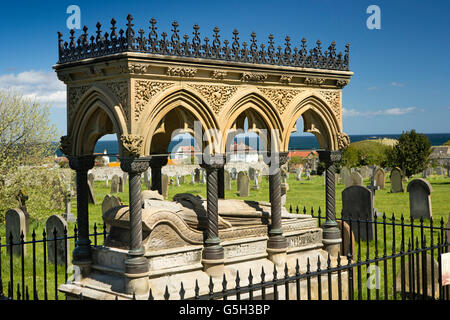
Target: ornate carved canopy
(146,87)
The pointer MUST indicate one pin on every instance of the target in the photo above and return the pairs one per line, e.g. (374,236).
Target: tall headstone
(115,184)
(346,177)
(357,179)
(251,173)
(244,185)
(177,181)
(299,172)
(121,184)
(91,194)
(234,173)
(379,178)
(56,242)
(227,180)
(147,180)
(197,177)
(106,182)
(256,179)
(203,177)
(68,215)
(419,199)
(91,178)
(396,180)
(125,178)
(357,203)
(239,179)
(15,226)
(110,201)
(22,197)
(165,185)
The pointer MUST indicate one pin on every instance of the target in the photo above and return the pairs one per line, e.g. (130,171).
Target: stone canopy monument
(143,89)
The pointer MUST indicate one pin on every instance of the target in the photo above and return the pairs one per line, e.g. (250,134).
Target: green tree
(411,154)
(26,142)
(367,152)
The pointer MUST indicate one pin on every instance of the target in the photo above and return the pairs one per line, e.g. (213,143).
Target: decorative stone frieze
(74,95)
(250,76)
(181,72)
(286,79)
(333,97)
(134,68)
(342,83)
(217,74)
(314,81)
(120,90)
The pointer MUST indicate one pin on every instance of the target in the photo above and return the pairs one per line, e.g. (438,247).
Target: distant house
(242,153)
(310,156)
(440,155)
(183,152)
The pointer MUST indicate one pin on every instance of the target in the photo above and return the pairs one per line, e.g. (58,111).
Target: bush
(367,152)
(411,154)
(44,187)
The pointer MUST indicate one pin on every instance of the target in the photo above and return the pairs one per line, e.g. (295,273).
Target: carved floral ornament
(315,81)
(134,68)
(280,97)
(333,97)
(181,71)
(66,145)
(216,95)
(144,91)
(132,144)
(257,77)
(343,140)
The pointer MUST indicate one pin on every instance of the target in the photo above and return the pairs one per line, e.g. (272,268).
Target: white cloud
(40,85)
(397,84)
(372,88)
(387,112)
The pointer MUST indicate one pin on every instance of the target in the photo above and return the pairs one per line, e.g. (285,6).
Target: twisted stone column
(82,252)
(331,234)
(156,163)
(136,265)
(213,253)
(277,244)
(221,183)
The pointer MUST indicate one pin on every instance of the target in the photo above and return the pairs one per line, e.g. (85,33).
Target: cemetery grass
(309,196)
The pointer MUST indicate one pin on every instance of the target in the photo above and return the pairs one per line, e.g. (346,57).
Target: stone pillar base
(277,256)
(138,284)
(214,268)
(84,267)
(332,246)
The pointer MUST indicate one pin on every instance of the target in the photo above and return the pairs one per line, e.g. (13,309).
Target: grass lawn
(304,194)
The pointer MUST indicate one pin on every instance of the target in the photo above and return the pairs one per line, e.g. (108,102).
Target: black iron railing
(107,43)
(398,250)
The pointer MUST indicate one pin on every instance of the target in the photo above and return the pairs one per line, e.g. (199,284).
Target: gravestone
(192,177)
(346,177)
(203,177)
(227,180)
(244,185)
(62,254)
(357,203)
(121,184)
(22,197)
(396,180)
(365,172)
(299,172)
(150,195)
(284,189)
(439,171)
(125,178)
(114,184)
(197,177)
(419,199)
(429,171)
(348,240)
(91,178)
(251,173)
(147,180)
(255,178)
(110,201)
(181,179)
(418,287)
(379,178)
(107,182)
(177,181)
(165,185)
(16,226)
(233,173)
(240,175)
(357,179)
(68,215)
(91,195)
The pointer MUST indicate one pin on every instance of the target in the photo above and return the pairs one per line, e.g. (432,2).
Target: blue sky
(401,72)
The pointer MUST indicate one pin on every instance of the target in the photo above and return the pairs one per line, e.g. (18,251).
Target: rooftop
(113,42)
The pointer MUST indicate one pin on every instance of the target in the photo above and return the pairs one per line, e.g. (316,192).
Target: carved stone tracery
(217,95)
(280,97)
(120,90)
(132,144)
(333,97)
(144,91)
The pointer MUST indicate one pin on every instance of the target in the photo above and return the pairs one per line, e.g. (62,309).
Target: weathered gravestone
(233,173)
(125,178)
(68,215)
(251,173)
(417,281)
(299,172)
(284,189)
(55,227)
(379,178)
(107,182)
(346,177)
(227,180)
(203,177)
(197,177)
(91,178)
(439,171)
(150,195)
(15,227)
(357,179)
(240,175)
(114,184)
(348,239)
(110,201)
(365,172)
(147,180)
(165,185)
(396,180)
(91,194)
(419,199)
(357,203)
(181,179)
(177,181)
(244,185)
(121,184)
(256,179)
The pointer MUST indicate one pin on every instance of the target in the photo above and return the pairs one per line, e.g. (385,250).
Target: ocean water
(295,143)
